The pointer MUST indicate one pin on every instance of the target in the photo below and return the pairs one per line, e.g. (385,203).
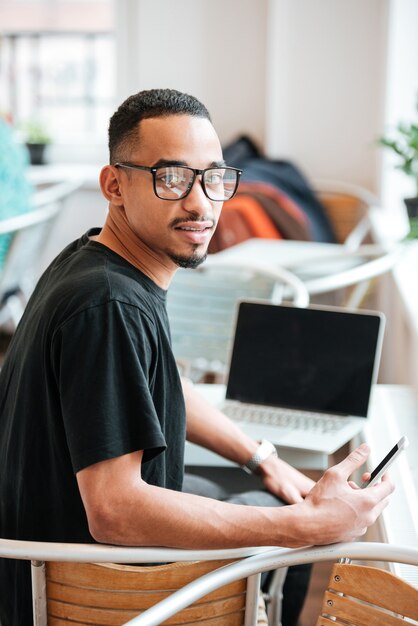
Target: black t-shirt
(89,376)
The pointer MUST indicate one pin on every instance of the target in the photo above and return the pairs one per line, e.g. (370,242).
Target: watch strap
(263,452)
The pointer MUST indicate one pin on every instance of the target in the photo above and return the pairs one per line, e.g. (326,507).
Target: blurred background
(316,82)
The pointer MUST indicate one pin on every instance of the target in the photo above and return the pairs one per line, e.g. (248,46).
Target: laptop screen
(315,359)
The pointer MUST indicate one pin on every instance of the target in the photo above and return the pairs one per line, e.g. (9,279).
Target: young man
(93,418)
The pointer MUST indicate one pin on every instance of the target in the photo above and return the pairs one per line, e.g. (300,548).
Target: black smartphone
(378,471)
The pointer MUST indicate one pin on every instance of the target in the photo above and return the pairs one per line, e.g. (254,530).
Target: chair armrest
(274,558)
(46,204)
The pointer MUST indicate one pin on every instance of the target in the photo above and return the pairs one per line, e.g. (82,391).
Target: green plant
(34,132)
(405,145)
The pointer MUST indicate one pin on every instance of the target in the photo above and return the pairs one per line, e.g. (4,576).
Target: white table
(323,267)
(395,413)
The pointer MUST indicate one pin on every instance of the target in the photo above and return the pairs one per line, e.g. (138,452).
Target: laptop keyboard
(284,418)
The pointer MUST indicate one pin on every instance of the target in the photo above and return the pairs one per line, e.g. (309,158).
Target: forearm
(122,509)
(211,429)
(150,515)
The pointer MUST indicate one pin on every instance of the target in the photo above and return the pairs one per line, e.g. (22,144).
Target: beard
(188,262)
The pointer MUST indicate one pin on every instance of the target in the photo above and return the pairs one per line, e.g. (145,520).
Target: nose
(197,201)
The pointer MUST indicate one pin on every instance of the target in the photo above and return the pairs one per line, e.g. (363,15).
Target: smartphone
(386,462)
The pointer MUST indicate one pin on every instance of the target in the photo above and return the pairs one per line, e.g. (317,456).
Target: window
(57,66)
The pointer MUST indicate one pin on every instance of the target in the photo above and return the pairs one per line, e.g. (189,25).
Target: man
(92,413)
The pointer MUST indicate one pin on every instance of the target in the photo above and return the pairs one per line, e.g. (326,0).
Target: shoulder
(89,278)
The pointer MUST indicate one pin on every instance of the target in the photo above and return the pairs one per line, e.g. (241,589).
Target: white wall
(214,50)
(307,79)
(314,81)
(326,82)
(400,99)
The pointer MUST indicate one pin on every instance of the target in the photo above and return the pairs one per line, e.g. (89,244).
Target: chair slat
(377,586)
(344,211)
(196,614)
(357,614)
(169,577)
(134,599)
(111,594)
(234,619)
(324,621)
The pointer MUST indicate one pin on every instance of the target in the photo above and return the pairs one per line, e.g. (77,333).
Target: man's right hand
(336,509)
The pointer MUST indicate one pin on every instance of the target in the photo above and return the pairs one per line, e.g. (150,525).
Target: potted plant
(36,138)
(405,145)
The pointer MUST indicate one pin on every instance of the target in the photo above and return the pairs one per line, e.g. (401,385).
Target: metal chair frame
(30,232)
(250,563)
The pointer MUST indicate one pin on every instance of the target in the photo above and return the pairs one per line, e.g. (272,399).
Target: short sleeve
(103,362)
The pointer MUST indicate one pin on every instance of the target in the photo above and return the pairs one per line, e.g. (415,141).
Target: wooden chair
(92,584)
(205,587)
(350,209)
(111,594)
(367,596)
(358,595)
(347,207)
(355,214)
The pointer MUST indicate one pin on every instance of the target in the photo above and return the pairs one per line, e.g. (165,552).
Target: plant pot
(36,153)
(412,210)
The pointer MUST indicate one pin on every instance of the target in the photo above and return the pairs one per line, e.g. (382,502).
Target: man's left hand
(284,481)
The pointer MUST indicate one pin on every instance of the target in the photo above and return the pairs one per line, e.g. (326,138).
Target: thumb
(354,460)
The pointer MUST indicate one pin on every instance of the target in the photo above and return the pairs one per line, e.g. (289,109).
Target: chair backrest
(367,596)
(29,234)
(347,205)
(112,594)
(244,563)
(202,305)
(400,596)
(90,583)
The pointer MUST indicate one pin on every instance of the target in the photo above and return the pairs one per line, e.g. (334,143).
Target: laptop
(302,377)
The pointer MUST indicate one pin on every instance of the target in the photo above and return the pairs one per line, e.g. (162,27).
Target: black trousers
(234,486)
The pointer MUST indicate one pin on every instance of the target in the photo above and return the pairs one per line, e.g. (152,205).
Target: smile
(195,232)
(195,226)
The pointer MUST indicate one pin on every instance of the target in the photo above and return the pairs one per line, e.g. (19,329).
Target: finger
(382,489)
(380,506)
(353,461)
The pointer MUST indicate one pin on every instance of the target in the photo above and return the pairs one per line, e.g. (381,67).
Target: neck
(117,235)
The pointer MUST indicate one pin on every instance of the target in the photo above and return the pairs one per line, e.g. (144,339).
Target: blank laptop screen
(316,359)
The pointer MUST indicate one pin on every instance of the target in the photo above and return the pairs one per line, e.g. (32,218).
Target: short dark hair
(145,104)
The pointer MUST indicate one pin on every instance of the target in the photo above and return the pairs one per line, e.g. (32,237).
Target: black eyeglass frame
(195,171)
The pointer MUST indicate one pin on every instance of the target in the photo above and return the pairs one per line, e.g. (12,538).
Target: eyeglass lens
(173,183)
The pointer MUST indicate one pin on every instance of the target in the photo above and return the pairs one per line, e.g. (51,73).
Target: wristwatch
(264,450)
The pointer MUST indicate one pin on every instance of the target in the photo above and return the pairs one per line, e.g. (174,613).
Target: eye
(170,180)
(214,177)
(170,177)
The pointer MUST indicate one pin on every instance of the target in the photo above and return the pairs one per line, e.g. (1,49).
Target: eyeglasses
(175,182)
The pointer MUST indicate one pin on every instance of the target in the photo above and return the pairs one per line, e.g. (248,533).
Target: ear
(111,185)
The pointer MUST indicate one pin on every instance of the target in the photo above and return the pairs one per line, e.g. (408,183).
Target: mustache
(177,221)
